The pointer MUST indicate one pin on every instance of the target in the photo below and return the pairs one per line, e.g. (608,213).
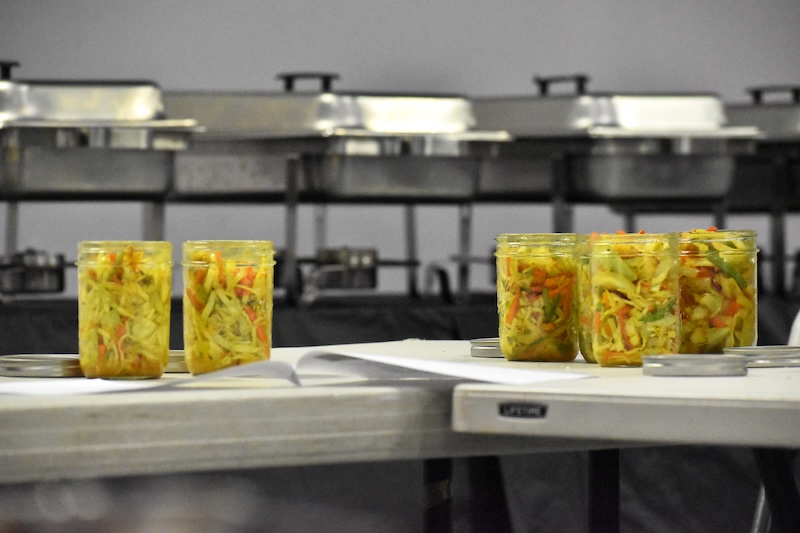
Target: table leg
(776,468)
(604,491)
(438,495)
(488,509)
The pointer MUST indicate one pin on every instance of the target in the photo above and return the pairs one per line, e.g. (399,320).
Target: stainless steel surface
(411,248)
(608,146)
(694,365)
(664,176)
(608,115)
(229,116)
(485,347)
(90,139)
(31,271)
(398,178)
(767,356)
(40,366)
(154,221)
(778,119)
(33,171)
(43,101)
(352,146)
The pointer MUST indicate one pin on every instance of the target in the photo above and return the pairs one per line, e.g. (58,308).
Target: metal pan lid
(767,356)
(40,366)
(486,347)
(694,365)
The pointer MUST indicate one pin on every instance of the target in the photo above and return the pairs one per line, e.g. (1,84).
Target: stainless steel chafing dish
(620,148)
(768,181)
(95,139)
(326,146)
(351,146)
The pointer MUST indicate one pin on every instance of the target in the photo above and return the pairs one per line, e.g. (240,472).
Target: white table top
(251,422)
(759,409)
(244,423)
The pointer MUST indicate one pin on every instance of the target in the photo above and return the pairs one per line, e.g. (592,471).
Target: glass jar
(227,303)
(719,290)
(536,291)
(634,295)
(585,312)
(124,296)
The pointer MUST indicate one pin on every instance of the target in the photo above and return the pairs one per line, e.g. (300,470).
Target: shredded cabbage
(718,290)
(227,311)
(124,314)
(536,292)
(634,297)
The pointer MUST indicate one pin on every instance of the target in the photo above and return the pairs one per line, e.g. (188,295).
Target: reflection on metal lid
(767,356)
(694,365)
(487,347)
(40,366)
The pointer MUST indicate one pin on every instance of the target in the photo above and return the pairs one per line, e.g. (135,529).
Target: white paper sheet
(384,362)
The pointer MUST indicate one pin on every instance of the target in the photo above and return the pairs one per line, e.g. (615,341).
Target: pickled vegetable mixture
(124,311)
(634,299)
(227,312)
(718,292)
(535,294)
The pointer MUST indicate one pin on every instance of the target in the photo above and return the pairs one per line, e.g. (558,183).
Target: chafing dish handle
(5,68)
(758,93)
(580,81)
(326,79)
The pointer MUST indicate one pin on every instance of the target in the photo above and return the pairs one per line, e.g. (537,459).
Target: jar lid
(767,356)
(486,347)
(40,366)
(694,365)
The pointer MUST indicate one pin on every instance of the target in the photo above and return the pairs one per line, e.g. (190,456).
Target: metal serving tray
(769,179)
(372,146)
(611,146)
(86,138)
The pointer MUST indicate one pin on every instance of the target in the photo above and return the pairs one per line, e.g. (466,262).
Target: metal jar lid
(767,356)
(40,366)
(486,347)
(694,365)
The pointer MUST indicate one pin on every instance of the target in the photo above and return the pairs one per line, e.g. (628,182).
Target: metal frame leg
(438,495)
(776,468)
(604,491)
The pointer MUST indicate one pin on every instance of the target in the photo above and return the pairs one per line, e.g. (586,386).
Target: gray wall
(474,48)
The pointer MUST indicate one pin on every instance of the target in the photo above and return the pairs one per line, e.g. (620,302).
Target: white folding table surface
(760,410)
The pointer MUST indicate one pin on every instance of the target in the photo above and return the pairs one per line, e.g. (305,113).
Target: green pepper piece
(659,312)
(726,269)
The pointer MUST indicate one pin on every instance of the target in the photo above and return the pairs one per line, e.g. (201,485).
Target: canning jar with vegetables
(719,293)
(124,296)
(536,294)
(227,303)
(634,296)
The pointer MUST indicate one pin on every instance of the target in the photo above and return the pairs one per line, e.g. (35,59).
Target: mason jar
(227,303)
(124,296)
(536,294)
(719,290)
(634,296)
